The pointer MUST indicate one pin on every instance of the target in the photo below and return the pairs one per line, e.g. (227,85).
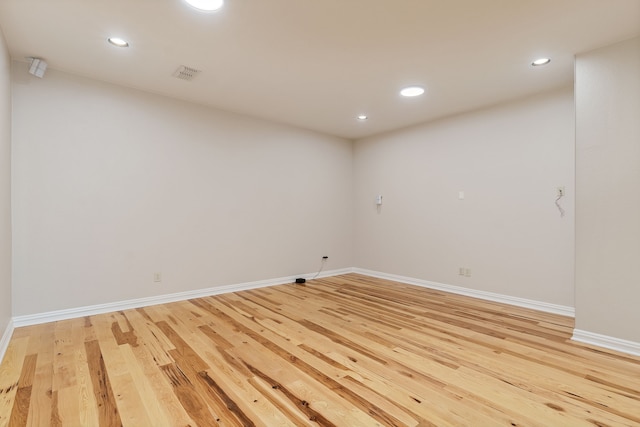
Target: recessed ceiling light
(541,61)
(206,5)
(117,41)
(412,91)
(362,117)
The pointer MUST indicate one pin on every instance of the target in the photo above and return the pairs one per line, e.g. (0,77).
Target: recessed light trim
(541,61)
(117,41)
(362,117)
(206,5)
(412,91)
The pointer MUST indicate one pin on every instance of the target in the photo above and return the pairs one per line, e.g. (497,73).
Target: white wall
(5,186)
(508,160)
(112,185)
(608,185)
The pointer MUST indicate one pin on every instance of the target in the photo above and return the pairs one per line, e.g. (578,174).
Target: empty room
(319,213)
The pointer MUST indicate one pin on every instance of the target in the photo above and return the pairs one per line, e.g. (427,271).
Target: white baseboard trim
(489,296)
(624,346)
(4,341)
(72,313)
(585,337)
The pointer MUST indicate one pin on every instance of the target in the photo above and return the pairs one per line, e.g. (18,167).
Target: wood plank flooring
(343,351)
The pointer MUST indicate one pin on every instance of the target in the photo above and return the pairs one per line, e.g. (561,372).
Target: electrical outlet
(157,277)
(467,272)
(461,271)
(559,191)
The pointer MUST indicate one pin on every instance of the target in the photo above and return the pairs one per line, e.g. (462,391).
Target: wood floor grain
(343,351)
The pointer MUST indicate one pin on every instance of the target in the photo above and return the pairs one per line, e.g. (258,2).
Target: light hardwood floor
(342,351)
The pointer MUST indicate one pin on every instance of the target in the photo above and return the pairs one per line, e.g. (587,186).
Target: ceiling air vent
(186,73)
